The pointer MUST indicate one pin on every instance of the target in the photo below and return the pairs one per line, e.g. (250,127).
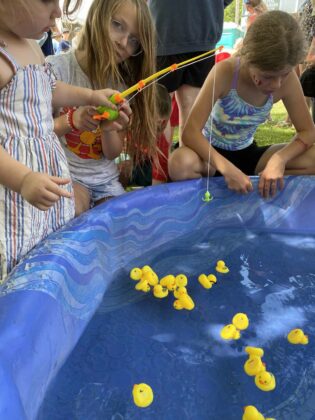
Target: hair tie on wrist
(70,118)
(305,145)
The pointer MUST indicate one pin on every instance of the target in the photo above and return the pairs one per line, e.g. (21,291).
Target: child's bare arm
(295,103)
(219,83)
(12,172)
(39,189)
(292,96)
(68,95)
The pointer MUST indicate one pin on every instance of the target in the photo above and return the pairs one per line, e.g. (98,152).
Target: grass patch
(271,132)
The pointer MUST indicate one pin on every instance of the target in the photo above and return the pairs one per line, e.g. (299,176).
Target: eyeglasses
(133,45)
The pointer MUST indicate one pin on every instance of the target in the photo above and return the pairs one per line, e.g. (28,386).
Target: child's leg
(82,198)
(184,163)
(185,98)
(301,165)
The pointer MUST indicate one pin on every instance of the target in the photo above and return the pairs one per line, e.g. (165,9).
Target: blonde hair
(101,69)
(273,41)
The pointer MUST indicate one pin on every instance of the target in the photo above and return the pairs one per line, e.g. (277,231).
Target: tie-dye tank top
(234,120)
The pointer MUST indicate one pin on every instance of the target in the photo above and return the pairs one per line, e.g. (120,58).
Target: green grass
(270,132)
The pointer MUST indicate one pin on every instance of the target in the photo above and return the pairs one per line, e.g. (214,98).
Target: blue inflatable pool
(76,336)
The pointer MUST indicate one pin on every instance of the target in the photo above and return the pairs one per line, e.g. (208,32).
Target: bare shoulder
(6,71)
(291,87)
(222,74)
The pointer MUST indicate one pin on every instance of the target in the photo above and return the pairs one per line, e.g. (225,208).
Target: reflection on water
(195,375)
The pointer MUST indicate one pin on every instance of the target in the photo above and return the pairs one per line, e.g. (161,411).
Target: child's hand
(42,190)
(83,118)
(121,122)
(272,177)
(237,181)
(100,97)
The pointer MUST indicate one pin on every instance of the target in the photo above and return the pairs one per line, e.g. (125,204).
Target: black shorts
(193,75)
(246,159)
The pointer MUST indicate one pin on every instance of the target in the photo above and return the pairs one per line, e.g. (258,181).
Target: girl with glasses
(116,49)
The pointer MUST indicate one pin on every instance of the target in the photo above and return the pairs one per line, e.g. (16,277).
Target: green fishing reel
(106,113)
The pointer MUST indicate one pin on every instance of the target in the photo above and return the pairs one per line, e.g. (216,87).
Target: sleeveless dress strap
(235,73)
(10,59)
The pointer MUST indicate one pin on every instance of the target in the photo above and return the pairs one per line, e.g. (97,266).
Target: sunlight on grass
(272,132)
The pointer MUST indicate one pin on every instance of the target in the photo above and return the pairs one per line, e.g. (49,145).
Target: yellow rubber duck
(212,278)
(240,321)
(265,381)
(143,286)
(150,277)
(229,332)
(160,291)
(181,280)
(204,281)
(178,305)
(254,351)
(169,282)
(297,336)
(186,301)
(251,413)
(180,291)
(136,273)
(142,395)
(221,267)
(254,365)
(146,268)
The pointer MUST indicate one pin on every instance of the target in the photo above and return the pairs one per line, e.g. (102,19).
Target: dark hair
(163,101)
(273,41)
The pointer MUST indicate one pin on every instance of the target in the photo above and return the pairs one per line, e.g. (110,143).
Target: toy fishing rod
(106,113)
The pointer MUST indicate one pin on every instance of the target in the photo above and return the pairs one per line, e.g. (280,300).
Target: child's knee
(181,164)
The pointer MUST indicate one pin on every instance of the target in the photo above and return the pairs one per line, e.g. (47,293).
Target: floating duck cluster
(148,279)
(251,413)
(232,331)
(142,395)
(207,281)
(297,336)
(254,366)
(145,277)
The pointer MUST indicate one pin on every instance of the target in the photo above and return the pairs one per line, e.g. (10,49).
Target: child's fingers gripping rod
(105,113)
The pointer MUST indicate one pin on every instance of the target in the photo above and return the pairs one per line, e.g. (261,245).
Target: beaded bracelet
(70,118)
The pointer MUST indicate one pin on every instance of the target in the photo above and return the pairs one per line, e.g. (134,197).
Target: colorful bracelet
(70,118)
(305,145)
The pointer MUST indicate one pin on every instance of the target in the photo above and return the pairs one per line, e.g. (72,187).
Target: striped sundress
(26,133)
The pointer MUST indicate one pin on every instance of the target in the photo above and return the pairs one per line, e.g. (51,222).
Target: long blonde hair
(273,41)
(101,69)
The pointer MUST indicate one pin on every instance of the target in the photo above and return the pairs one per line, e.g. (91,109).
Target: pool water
(194,374)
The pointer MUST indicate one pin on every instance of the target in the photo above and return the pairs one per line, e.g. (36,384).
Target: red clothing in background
(160,172)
